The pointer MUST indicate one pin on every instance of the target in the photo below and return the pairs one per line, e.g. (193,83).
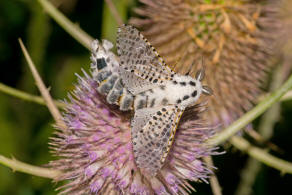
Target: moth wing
(153,131)
(139,57)
(141,117)
(134,83)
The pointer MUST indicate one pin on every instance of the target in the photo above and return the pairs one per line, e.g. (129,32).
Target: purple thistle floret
(95,150)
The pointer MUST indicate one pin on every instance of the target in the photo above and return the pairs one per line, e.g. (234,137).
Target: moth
(141,81)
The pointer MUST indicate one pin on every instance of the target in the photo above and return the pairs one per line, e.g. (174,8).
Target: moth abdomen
(106,85)
(115,93)
(140,102)
(102,75)
(104,67)
(112,87)
(126,101)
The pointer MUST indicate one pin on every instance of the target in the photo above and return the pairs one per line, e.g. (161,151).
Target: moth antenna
(190,69)
(200,74)
(207,90)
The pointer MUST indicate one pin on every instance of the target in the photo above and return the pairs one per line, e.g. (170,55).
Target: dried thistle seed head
(235,38)
(285,41)
(95,152)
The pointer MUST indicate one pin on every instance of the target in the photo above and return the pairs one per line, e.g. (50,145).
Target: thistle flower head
(95,150)
(234,38)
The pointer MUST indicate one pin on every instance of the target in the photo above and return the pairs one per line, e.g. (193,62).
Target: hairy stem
(16,165)
(45,93)
(26,96)
(261,155)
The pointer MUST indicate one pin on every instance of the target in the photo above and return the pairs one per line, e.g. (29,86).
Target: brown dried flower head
(234,38)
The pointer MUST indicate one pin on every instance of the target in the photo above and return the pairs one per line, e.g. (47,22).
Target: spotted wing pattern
(153,131)
(139,57)
(134,83)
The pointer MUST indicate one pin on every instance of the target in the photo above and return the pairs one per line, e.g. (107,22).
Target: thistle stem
(261,155)
(72,29)
(287,96)
(216,188)
(284,98)
(16,165)
(252,114)
(26,96)
(45,93)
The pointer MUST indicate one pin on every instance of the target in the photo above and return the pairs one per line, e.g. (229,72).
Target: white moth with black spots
(157,95)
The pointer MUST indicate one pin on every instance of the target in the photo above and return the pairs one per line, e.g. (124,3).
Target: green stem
(16,165)
(287,96)
(72,29)
(25,96)
(261,155)
(252,114)
(215,186)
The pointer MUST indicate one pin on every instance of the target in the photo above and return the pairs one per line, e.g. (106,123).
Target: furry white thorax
(182,91)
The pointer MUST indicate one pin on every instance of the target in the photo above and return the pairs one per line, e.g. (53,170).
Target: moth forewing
(139,57)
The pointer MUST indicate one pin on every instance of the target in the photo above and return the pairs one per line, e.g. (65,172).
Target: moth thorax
(185,90)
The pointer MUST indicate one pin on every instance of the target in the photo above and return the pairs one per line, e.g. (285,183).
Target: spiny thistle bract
(235,38)
(95,150)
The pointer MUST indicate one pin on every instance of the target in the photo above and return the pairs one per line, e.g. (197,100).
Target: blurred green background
(25,127)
